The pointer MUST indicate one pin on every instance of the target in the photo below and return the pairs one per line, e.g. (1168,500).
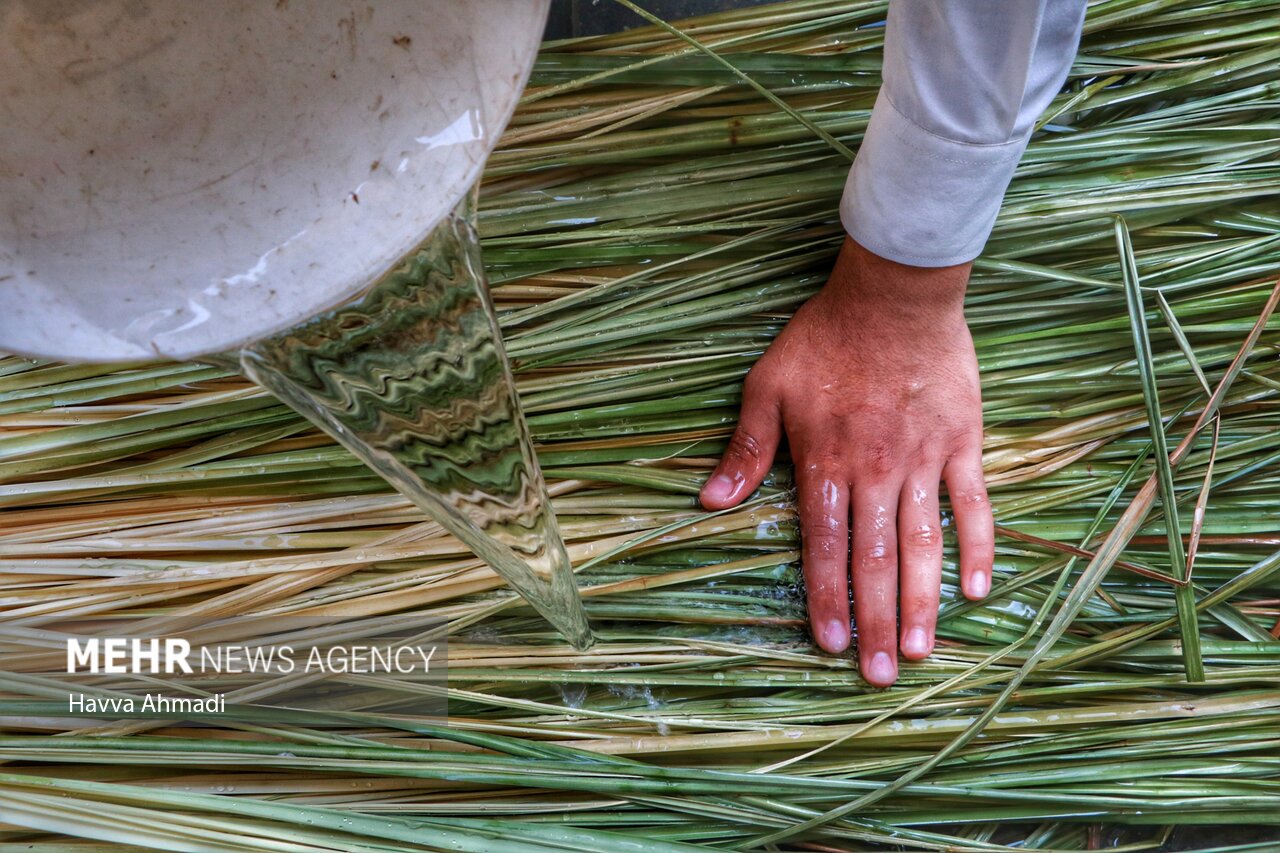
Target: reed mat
(650,221)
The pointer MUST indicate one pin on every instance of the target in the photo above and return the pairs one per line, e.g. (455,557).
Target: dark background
(571,18)
(594,17)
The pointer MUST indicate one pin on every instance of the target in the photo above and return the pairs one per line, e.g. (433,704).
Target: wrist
(873,288)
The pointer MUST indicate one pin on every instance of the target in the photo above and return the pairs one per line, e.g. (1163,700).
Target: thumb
(750,452)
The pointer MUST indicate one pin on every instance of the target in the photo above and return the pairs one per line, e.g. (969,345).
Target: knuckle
(878,458)
(744,448)
(921,603)
(971,499)
(961,430)
(821,462)
(924,536)
(876,557)
(825,533)
(819,484)
(824,524)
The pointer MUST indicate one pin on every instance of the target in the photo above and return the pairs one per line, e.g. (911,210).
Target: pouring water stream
(413,379)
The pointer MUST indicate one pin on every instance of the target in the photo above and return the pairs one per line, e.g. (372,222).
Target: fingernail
(916,642)
(882,671)
(835,636)
(718,488)
(981,584)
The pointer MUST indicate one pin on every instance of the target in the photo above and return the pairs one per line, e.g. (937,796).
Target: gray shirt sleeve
(964,81)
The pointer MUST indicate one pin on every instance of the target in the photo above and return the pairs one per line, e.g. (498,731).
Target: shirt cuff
(919,199)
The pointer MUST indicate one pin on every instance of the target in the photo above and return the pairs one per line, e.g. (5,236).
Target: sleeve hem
(917,198)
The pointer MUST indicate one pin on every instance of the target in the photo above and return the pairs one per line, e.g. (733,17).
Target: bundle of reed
(650,221)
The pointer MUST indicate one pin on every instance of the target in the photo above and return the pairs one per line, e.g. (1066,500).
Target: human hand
(875,383)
